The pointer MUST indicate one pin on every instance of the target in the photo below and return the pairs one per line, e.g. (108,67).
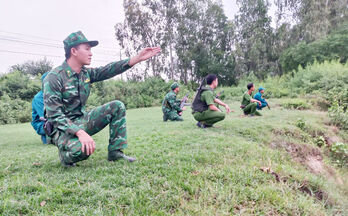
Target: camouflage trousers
(112,114)
(171,115)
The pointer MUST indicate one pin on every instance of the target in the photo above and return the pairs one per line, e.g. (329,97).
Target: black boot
(118,154)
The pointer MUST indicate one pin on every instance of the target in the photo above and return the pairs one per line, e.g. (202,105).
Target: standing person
(204,109)
(258,96)
(171,106)
(37,114)
(66,90)
(248,103)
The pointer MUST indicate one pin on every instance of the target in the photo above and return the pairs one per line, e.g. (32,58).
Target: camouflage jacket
(170,102)
(66,92)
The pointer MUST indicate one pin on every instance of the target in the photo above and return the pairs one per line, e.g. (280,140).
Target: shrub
(298,104)
(14,111)
(300,123)
(339,115)
(147,93)
(339,152)
(319,141)
(18,85)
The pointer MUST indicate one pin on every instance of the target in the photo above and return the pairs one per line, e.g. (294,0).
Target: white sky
(33,29)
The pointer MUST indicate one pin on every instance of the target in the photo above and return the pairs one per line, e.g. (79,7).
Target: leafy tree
(140,29)
(313,19)
(18,85)
(254,38)
(195,37)
(33,67)
(334,46)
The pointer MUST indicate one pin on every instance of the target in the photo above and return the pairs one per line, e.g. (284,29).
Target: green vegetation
(197,37)
(16,92)
(295,104)
(291,161)
(327,49)
(261,165)
(323,86)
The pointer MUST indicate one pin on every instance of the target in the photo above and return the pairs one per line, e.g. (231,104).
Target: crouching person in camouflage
(171,106)
(66,90)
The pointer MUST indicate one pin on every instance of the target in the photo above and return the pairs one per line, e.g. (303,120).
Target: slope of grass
(180,169)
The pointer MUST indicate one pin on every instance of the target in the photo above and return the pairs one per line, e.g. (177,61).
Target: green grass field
(180,169)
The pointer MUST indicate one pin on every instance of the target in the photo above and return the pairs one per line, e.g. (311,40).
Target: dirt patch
(287,132)
(310,157)
(315,165)
(316,192)
(305,187)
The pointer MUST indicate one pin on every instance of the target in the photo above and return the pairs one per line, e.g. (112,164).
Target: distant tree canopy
(33,67)
(197,38)
(22,82)
(334,46)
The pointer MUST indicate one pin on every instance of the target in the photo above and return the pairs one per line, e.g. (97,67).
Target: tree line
(197,38)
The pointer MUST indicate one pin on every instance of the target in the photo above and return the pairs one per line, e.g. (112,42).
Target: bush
(339,115)
(18,85)
(134,94)
(14,111)
(298,104)
(300,123)
(339,152)
(319,141)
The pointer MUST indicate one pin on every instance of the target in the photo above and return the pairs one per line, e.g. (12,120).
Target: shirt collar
(70,72)
(208,86)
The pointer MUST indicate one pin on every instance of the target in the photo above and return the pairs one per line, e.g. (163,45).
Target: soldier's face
(84,54)
(216,82)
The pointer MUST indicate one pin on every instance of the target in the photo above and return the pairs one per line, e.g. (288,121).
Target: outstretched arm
(115,68)
(144,55)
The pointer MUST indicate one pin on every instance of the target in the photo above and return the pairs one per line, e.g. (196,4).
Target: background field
(260,165)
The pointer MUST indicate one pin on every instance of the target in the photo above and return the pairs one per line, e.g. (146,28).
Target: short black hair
(250,85)
(68,51)
(210,78)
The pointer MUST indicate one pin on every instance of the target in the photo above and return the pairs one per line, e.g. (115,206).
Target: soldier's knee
(118,106)
(222,116)
(179,118)
(78,155)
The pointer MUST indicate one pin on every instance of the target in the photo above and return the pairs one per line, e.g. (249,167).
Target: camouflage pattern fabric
(65,97)
(171,107)
(174,85)
(75,39)
(112,114)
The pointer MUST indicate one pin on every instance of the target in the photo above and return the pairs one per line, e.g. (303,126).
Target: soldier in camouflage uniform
(66,90)
(171,106)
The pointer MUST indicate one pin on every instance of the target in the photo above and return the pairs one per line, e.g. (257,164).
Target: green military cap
(75,39)
(174,85)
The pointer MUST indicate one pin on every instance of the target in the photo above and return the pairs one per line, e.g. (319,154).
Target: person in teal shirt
(37,113)
(258,96)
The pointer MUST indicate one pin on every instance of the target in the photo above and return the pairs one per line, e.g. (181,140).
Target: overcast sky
(33,29)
